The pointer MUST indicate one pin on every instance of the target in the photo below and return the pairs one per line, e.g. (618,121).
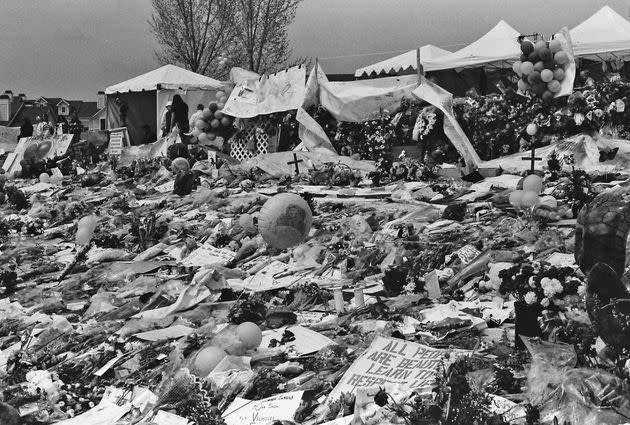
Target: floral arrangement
(425,123)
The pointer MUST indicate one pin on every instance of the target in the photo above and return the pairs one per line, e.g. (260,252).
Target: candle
(359,300)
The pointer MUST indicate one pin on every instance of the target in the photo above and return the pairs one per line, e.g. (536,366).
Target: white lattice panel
(238,149)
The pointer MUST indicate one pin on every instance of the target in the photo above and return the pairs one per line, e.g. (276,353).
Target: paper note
(306,341)
(208,255)
(165,418)
(561,260)
(108,365)
(263,412)
(172,332)
(103,414)
(432,285)
(264,280)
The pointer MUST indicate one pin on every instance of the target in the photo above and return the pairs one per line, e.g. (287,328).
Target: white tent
(402,62)
(498,48)
(143,98)
(604,36)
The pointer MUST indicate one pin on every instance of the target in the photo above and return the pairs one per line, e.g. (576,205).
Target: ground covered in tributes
(124,303)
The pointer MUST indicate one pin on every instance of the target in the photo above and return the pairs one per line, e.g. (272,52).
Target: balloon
(527,67)
(212,137)
(558,74)
(180,164)
(549,201)
(203,137)
(85,230)
(516,67)
(218,115)
(545,55)
(207,114)
(532,129)
(285,220)
(539,46)
(196,132)
(43,148)
(547,96)
(554,86)
(207,359)
(523,86)
(213,107)
(527,47)
(200,124)
(539,66)
(30,152)
(555,45)
(220,105)
(215,123)
(533,77)
(523,58)
(246,221)
(533,57)
(515,198)
(539,88)
(546,75)
(44,178)
(223,99)
(561,58)
(225,121)
(220,94)
(529,199)
(532,183)
(250,334)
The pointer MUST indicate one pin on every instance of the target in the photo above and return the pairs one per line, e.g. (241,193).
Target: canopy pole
(420,70)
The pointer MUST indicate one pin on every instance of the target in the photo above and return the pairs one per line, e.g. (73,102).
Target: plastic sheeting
(603,36)
(402,62)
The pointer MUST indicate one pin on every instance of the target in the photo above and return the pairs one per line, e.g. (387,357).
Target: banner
(8,138)
(282,91)
(393,364)
(566,87)
(443,100)
(47,148)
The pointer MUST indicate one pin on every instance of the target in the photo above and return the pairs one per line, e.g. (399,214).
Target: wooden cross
(533,160)
(295,161)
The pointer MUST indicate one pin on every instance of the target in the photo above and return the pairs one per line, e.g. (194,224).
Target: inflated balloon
(539,66)
(200,124)
(212,136)
(220,105)
(527,67)
(533,77)
(527,47)
(545,55)
(250,334)
(546,75)
(554,86)
(218,115)
(529,199)
(533,57)
(515,198)
(539,88)
(215,123)
(213,107)
(223,99)
(549,201)
(547,96)
(540,45)
(30,152)
(225,121)
(555,45)
(207,359)
(558,74)
(532,183)
(43,148)
(196,132)
(180,164)
(220,94)
(44,178)
(246,221)
(561,58)
(523,86)
(85,230)
(203,137)
(532,129)
(516,67)
(285,220)
(207,114)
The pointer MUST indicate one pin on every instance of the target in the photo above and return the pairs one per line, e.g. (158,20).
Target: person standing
(165,121)
(180,116)
(26,129)
(198,115)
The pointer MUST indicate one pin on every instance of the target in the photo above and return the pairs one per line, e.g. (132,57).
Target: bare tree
(193,33)
(261,31)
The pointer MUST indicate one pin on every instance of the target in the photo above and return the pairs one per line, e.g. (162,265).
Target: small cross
(533,159)
(296,161)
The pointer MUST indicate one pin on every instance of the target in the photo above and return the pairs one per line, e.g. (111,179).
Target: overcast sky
(73,48)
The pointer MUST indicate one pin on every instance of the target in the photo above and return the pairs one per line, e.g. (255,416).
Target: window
(4,112)
(103,124)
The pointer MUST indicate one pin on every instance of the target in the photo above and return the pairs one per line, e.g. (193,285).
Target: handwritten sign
(392,363)
(269,278)
(263,412)
(208,255)
(165,418)
(103,414)
(118,138)
(47,148)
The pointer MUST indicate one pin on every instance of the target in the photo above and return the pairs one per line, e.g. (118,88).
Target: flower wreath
(424,123)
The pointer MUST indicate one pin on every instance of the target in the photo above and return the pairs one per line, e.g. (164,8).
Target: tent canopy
(603,36)
(402,62)
(499,47)
(167,77)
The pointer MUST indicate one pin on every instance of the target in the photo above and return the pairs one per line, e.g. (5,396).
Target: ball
(532,183)
(250,334)
(527,67)
(529,199)
(546,75)
(285,220)
(515,198)
(207,359)
(531,129)
(558,74)
(554,86)
(561,58)
(527,47)
(44,178)
(215,123)
(555,45)
(180,164)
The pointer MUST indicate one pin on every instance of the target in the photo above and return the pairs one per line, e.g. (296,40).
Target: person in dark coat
(179,116)
(26,129)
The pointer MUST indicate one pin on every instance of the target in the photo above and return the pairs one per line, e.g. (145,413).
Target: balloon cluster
(528,197)
(542,67)
(214,123)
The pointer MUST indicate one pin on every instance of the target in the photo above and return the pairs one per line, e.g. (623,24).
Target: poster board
(48,147)
(8,138)
(118,139)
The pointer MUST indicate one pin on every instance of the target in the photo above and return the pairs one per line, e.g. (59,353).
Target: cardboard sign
(48,147)
(263,412)
(269,278)
(118,139)
(392,363)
